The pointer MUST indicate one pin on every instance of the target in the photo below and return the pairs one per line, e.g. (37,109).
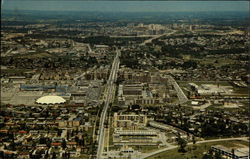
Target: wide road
(156,37)
(181,95)
(109,97)
(198,142)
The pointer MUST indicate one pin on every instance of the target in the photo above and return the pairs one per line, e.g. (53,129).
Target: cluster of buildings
(33,131)
(195,121)
(208,42)
(141,129)
(83,92)
(36,49)
(142,93)
(52,109)
(136,126)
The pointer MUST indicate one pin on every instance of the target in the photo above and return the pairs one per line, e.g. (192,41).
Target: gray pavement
(109,96)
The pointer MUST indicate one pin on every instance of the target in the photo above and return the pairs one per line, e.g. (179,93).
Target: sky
(125,6)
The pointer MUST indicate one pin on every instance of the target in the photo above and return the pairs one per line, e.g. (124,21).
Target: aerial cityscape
(124,79)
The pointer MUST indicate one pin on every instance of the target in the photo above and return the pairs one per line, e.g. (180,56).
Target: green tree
(207,156)
(64,145)
(54,155)
(218,155)
(233,154)
(182,143)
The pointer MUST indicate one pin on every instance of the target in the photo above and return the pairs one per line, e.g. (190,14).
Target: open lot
(28,98)
(145,149)
(217,62)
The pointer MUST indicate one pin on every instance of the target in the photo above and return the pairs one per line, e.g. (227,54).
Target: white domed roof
(50,100)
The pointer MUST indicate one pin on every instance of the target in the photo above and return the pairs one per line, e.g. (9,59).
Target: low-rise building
(239,153)
(129,121)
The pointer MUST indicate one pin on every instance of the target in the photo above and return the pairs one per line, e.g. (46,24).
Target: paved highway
(156,37)
(181,95)
(109,97)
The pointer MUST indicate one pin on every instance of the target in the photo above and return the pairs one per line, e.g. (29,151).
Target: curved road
(156,37)
(190,143)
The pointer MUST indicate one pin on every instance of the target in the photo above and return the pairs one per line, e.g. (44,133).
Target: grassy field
(241,90)
(14,71)
(36,55)
(217,62)
(197,152)
(83,156)
(145,149)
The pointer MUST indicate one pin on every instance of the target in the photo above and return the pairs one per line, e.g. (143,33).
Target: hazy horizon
(128,6)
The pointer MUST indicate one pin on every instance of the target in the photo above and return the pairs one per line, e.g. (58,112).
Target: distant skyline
(126,6)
